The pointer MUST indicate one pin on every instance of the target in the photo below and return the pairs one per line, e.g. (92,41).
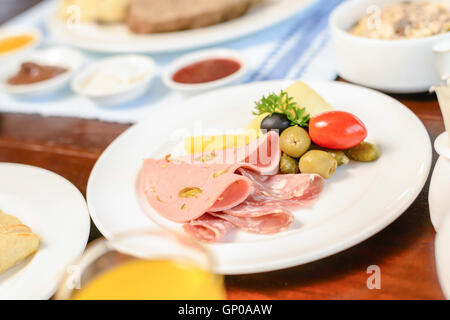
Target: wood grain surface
(404,251)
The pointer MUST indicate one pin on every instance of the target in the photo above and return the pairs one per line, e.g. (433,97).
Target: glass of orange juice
(143,265)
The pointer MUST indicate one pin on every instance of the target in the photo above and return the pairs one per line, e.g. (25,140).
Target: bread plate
(57,213)
(118,39)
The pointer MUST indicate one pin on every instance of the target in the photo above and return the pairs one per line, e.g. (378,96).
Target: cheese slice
(202,144)
(17,241)
(307,98)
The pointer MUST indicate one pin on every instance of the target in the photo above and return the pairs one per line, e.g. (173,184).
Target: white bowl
(18,30)
(55,56)
(116,66)
(198,56)
(397,66)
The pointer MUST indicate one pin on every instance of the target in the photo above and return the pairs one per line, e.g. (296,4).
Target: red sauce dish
(205,70)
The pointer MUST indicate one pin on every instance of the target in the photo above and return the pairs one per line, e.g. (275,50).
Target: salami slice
(284,186)
(272,221)
(208,228)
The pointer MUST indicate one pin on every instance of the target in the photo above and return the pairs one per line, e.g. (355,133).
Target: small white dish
(115,80)
(70,59)
(199,56)
(19,30)
(443,255)
(57,213)
(397,66)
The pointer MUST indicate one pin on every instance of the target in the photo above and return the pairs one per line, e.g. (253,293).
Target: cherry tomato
(337,130)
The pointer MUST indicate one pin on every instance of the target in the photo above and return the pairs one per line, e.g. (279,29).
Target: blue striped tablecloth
(297,48)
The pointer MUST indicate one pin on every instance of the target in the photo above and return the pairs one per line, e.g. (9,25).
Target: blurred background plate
(443,255)
(118,39)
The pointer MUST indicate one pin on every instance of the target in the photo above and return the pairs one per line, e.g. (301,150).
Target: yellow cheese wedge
(17,242)
(255,125)
(200,144)
(307,98)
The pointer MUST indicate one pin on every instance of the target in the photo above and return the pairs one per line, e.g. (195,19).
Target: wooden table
(404,251)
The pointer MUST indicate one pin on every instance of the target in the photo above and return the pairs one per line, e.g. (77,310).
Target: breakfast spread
(31,72)
(206,71)
(15,42)
(252,181)
(405,20)
(17,242)
(156,16)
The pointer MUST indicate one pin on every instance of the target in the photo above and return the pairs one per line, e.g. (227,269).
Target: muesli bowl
(396,66)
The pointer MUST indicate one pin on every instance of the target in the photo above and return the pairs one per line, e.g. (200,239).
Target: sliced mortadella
(182,192)
(184,188)
(261,155)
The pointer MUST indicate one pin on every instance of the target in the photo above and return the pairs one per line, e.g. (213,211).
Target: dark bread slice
(156,16)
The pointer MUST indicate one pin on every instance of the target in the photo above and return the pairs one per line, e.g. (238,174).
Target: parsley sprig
(282,103)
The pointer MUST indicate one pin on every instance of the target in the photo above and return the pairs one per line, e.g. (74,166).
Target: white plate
(56,211)
(358,201)
(118,39)
(443,255)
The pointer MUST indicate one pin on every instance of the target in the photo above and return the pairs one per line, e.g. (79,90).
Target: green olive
(364,152)
(295,141)
(318,161)
(288,164)
(339,155)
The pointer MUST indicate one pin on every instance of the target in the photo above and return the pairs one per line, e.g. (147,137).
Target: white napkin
(296,48)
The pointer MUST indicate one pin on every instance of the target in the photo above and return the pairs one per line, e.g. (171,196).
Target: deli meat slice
(208,228)
(214,193)
(182,192)
(213,227)
(185,188)
(272,221)
(285,186)
(265,211)
(261,155)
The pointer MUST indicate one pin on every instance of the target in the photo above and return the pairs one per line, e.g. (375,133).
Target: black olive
(276,121)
